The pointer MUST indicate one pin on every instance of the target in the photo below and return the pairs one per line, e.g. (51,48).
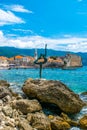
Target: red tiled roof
(18,57)
(3,58)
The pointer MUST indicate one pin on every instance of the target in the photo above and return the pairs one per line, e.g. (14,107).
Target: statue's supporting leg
(40,70)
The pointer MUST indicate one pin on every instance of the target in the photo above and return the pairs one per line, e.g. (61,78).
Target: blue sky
(61,24)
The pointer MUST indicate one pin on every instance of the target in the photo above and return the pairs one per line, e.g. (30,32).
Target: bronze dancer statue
(41,60)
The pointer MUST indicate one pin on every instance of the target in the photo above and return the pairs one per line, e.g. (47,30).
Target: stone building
(4,62)
(20,61)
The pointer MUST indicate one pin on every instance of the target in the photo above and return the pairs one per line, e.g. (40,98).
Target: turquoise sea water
(75,79)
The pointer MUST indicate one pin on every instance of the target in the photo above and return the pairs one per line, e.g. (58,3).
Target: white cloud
(23,30)
(17,8)
(67,35)
(75,44)
(7,17)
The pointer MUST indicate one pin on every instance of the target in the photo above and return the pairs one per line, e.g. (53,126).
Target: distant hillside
(11,51)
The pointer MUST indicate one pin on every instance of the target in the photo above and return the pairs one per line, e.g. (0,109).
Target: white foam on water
(74,128)
(16,87)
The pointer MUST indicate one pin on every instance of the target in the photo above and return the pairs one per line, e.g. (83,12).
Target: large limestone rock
(39,121)
(26,106)
(53,92)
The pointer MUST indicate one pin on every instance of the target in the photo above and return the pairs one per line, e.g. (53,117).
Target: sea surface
(75,79)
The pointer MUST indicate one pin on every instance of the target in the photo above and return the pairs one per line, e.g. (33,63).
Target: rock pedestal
(54,92)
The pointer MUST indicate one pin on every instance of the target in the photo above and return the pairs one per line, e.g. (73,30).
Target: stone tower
(35,54)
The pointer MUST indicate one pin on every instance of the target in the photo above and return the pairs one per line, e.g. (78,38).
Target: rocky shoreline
(25,112)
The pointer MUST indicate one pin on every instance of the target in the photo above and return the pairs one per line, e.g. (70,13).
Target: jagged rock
(26,106)
(83,122)
(4,92)
(29,117)
(9,122)
(16,114)
(54,92)
(7,128)
(24,125)
(4,83)
(7,98)
(1,103)
(6,121)
(67,119)
(19,97)
(39,121)
(7,110)
(57,123)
